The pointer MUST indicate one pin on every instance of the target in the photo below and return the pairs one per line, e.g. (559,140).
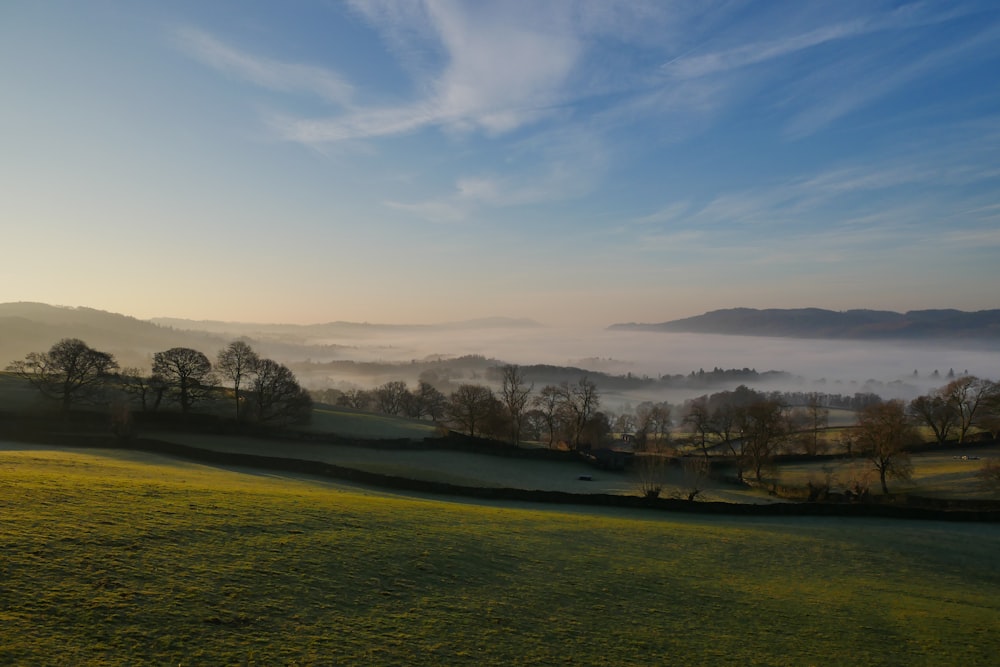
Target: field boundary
(354,475)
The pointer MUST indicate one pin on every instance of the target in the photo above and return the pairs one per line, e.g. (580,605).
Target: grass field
(358,424)
(942,474)
(469,468)
(111,558)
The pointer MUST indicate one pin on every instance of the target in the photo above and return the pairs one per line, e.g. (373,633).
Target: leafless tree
(580,402)
(695,472)
(547,406)
(359,399)
(882,434)
(968,395)
(470,407)
(427,401)
(236,363)
(653,472)
(989,419)
(187,372)
(763,429)
(148,389)
(698,418)
(69,370)
(817,417)
(515,393)
(652,424)
(277,395)
(391,397)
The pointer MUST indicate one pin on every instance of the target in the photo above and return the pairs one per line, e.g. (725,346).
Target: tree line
(72,373)
(566,413)
(752,427)
(747,426)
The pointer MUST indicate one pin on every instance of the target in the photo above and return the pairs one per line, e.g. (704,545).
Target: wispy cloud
(554,166)
(831,68)
(937,194)
(854,82)
(499,71)
(264,72)
(908,16)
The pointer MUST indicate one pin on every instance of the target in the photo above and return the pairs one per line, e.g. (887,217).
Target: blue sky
(572,162)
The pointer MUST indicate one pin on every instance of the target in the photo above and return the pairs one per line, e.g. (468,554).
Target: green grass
(467,468)
(125,558)
(935,474)
(357,424)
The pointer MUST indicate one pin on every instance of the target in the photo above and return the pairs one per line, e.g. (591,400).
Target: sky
(577,163)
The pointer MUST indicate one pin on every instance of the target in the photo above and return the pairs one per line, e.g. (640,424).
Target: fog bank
(846,364)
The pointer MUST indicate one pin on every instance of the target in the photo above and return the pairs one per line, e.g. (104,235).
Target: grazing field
(358,424)
(469,468)
(126,558)
(944,474)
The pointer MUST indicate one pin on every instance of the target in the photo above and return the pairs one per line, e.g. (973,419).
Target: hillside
(849,324)
(32,327)
(339,329)
(114,557)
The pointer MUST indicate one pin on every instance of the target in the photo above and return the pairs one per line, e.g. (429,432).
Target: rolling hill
(849,324)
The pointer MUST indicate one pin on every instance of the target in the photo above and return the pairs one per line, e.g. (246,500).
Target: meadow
(949,473)
(464,468)
(111,557)
(351,423)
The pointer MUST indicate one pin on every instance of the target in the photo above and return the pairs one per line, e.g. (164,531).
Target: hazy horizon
(382,354)
(577,163)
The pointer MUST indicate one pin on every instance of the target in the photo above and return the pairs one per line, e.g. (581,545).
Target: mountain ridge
(29,326)
(942,323)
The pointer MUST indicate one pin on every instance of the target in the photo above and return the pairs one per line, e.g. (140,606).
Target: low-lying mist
(833,366)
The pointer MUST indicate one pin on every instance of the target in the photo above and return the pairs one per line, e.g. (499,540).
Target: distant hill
(34,327)
(829,324)
(337,329)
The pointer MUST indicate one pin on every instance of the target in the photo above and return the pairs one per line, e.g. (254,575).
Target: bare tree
(699,419)
(391,397)
(763,429)
(733,424)
(653,471)
(580,402)
(695,472)
(547,406)
(149,390)
(427,401)
(989,419)
(277,394)
(661,424)
(882,434)
(652,424)
(359,399)
(514,394)
(236,363)
(187,372)
(817,417)
(69,370)
(470,407)
(625,423)
(968,395)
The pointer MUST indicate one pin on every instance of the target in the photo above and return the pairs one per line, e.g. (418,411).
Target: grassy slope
(108,558)
(357,424)
(940,473)
(469,468)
